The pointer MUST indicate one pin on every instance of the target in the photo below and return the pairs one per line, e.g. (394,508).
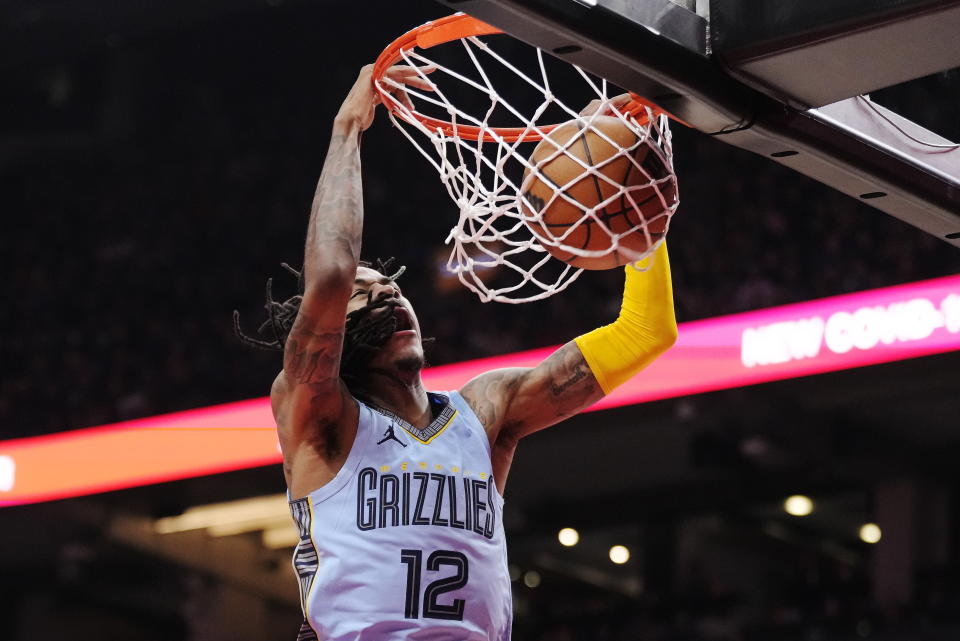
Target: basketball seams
(589,156)
(625,183)
(596,185)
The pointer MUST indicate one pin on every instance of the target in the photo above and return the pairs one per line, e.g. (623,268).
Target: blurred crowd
(831,602)
(125,263)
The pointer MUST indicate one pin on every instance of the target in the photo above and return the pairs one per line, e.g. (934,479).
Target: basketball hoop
(480,162)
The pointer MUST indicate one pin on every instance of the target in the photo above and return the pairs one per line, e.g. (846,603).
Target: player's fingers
(408,70)
(396,89)
(397,93)
(419,84)
(615,103)
(404,99)
(411,76)
(591,108)
(618,103)
(405,73)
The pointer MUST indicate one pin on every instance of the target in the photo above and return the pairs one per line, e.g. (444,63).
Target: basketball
(626,199)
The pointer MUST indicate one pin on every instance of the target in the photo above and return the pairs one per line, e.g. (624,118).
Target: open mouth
(403,320)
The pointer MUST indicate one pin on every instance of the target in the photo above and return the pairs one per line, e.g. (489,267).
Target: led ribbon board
(830,334)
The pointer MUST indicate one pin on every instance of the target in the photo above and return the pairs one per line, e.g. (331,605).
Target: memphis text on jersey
(425,498)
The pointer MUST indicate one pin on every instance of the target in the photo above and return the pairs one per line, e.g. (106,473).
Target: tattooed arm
(310,402)
(333,236)
(312,354)
(514,402)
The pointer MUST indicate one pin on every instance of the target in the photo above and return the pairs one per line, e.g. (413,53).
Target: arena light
(232,517)
(830,334)
(531,579)
(619,554)
(279,538)
(8,472)
(162,448)
(798,505)
(568,537)
(870,533)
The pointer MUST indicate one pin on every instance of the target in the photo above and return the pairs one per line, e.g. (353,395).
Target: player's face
(404,347)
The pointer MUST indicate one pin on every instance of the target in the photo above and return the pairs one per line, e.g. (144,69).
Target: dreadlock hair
(364,331)
(280,316)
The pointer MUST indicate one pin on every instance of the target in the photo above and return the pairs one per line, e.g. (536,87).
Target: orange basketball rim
(457,27)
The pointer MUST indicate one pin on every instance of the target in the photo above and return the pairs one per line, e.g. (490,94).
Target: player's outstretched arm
(332,252)
(515,402)
(312,352)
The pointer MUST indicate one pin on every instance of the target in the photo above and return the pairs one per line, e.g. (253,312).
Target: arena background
(157,161)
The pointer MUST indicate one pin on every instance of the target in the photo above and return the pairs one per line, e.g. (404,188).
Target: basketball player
(397,491)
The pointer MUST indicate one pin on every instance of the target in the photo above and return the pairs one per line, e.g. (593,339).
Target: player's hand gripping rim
(359,107)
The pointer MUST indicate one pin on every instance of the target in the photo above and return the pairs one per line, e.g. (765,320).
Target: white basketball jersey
(407,541)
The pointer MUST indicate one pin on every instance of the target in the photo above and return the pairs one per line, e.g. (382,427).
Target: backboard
(785,79)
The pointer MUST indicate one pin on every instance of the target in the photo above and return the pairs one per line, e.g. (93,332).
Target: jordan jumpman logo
(390,435)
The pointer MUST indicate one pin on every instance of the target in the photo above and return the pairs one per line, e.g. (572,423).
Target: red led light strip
(841,332)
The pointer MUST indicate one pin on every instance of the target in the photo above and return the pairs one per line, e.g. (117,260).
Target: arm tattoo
(570,382)
(336,218)
(312,351)
(576,375)
(312,354)
(488,400)
(521,401)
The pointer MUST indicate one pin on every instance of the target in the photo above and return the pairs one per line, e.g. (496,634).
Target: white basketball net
(494,252)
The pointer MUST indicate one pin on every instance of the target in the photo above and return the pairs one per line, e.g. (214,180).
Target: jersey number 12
(431,609)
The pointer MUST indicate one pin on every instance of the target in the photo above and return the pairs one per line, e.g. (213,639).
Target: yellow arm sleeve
(645,328)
